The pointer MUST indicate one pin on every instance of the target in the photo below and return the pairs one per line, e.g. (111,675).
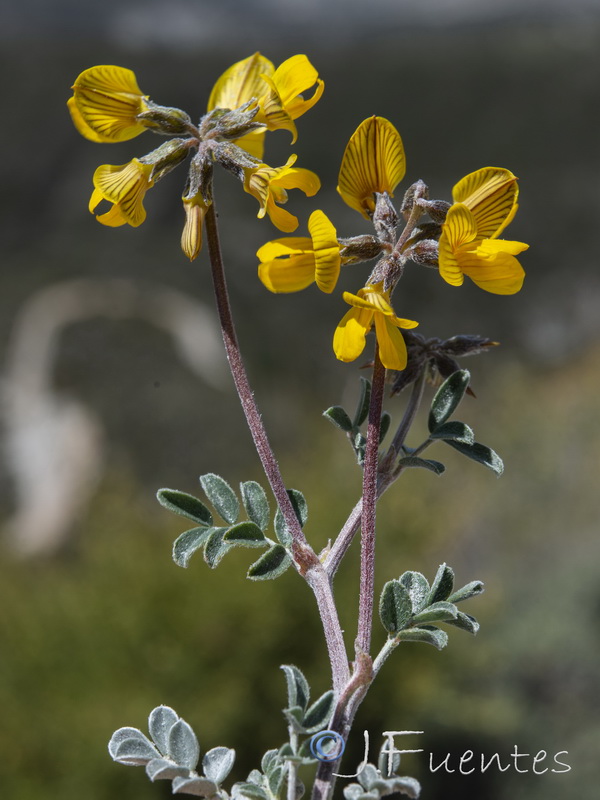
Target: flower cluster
(459,239)
(250,98)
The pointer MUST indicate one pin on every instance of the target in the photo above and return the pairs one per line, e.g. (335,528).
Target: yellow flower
(373,161)
(125,187)
(239,84)
(285,102)
(269,184)
(105,104)
(372,306)
(485,203)
(191,239)
(293,263)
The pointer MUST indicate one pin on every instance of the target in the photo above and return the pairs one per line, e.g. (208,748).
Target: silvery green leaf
(200,787)
(442,584)
(160,769)
(368,777)
(362,409)
(255,776)
(250,790)
(467,591)
(298,690)
(437,612)
(256,504)
(294,716)
(300,509)
(457,431)
(121,735)
(319,714)
(447,398)
(185,504)
(183,745)
(135,752)
(339,418)
(270,761)
(418,589)
(408,786)
(215,547)
(354,791)
(423,463)
(429,635)
(160,722)
(186,545)
(275,780)
(480,453)
(270,565)
(217,763)
(222,496)
(466,622)
(245,534)
(386,765)
(395,606)
(386,420)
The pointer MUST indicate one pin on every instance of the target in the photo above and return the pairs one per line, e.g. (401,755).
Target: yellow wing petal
(288,275)
(82,126)
(491,194)
(108,100)
(392,347)
(349,338)
(284,247)
(501,274)
(241,82)
(373,161)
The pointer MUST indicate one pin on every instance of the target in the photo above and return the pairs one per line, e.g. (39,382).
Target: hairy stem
(369,503)
(305,559)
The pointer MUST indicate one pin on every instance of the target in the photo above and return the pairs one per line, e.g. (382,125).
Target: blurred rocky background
(113,384)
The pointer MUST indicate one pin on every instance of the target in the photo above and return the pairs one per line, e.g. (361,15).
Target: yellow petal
(349,338)
(113,218)
(126,186)
(392,347)
(191,237)
(373,161)
(288,274)
(253,143)
(459,229)
(241,82)
(285,103)
(95,200)
(491,194)
(108,101)
(299,178)
(81,125)
(492,246)
(281,218)
(370,297)
(500,274)
(326,251)
(284,247)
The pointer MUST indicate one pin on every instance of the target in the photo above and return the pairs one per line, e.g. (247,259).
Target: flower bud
(360,248)
(385,218)
(237,123)
(437,209)
(191,238)
(165,120)
(233,158)
(424,252)
(200,175)
(418,191)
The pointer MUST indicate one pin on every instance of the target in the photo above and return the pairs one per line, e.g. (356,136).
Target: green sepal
(245,534)
(424,463)
(270,565)
(298,690)
(187,543)
(364,401)
(359,444)
(186,505)
(418,589)
(215,547)
(454,431)
(447,398)
(465,622)
(427,634)
(437,612)
(222,496)
(480,453)
(318,715)
(256,503)
(442,585)
(338,416)
(395,606)
(386,419)
(300,509)
(468,590)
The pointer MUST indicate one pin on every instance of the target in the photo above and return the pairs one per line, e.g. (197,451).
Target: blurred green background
(113,385)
